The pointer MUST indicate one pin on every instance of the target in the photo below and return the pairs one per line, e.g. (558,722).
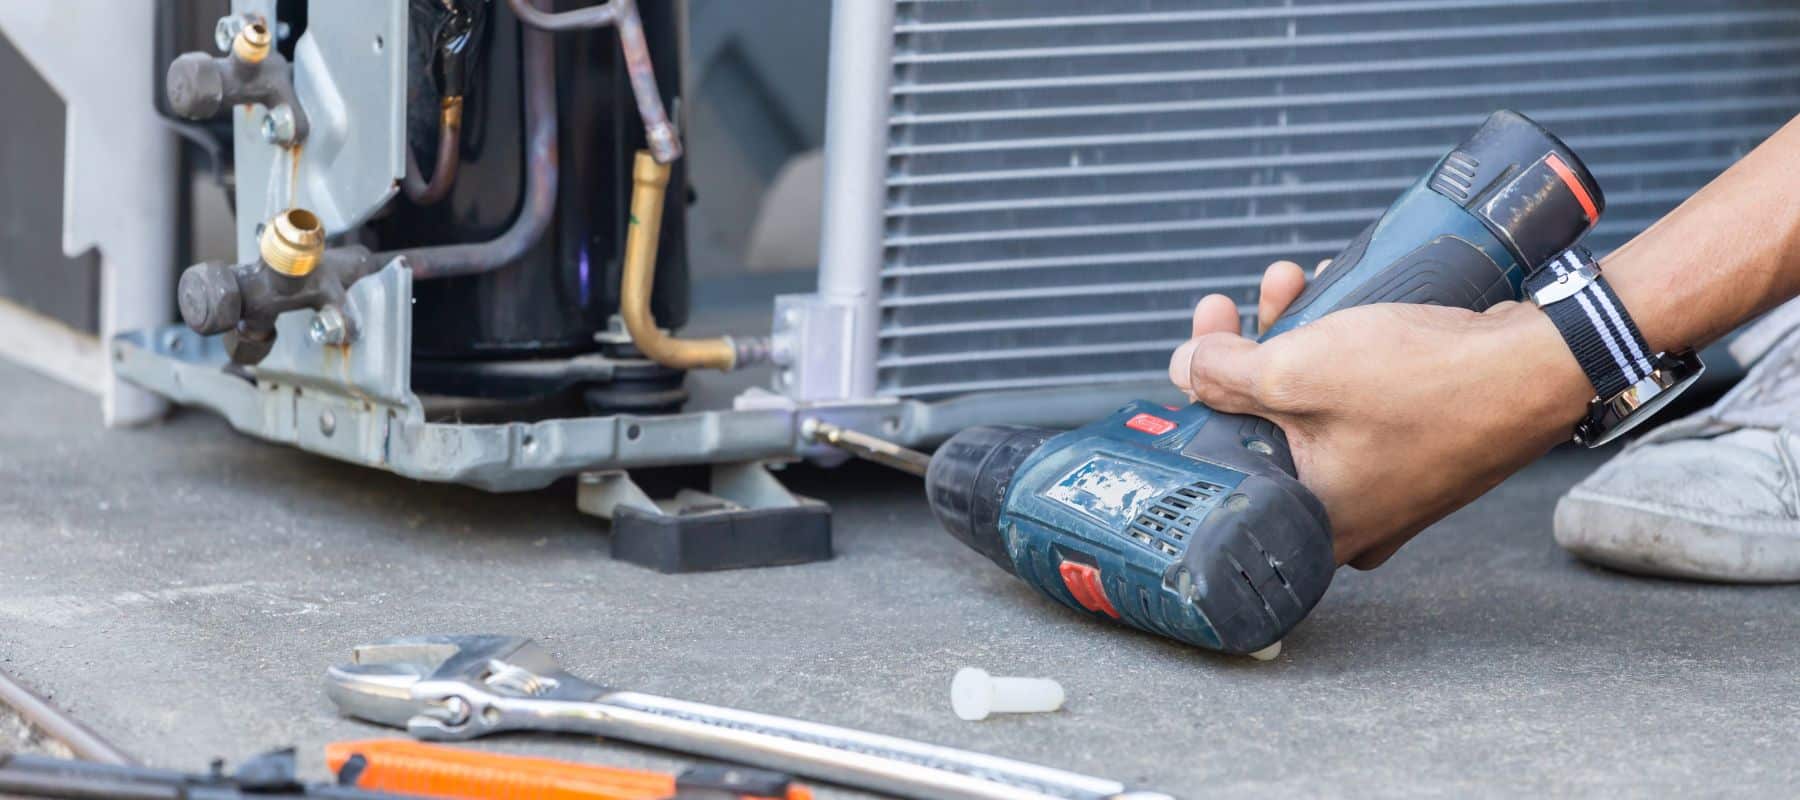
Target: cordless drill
(1191,523)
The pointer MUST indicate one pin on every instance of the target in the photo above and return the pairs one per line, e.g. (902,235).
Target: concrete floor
(183,588)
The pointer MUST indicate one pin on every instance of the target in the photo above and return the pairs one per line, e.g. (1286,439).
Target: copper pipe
(447,261)
(449,157)
(598,15)
(663,138)
(650,180)
(81,740)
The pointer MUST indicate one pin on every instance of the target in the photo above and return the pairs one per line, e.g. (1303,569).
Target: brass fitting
(450,111)
(651,181)
(292,241)
(251,45)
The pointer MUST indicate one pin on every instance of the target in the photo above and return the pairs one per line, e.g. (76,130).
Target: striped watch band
(1598,329)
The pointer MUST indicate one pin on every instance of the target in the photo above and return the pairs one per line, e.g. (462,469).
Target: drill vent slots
(1166,525)
(1456,178)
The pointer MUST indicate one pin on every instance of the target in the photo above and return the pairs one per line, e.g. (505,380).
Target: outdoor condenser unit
(1060,181)
(1025,198)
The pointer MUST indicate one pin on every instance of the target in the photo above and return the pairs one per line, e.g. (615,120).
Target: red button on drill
(1150,423)
(1084,582)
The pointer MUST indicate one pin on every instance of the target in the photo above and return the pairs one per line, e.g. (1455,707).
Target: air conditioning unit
(1023,201)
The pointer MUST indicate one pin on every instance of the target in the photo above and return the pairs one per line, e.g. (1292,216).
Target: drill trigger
(1083,581)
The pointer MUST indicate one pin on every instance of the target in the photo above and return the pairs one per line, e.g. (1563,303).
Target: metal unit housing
(1064,179)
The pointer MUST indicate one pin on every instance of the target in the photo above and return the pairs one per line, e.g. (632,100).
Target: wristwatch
(1630,382)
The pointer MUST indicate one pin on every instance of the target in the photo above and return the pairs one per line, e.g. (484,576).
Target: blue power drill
(1190,523)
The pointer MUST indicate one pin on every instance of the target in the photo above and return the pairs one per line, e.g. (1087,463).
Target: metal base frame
(355,403)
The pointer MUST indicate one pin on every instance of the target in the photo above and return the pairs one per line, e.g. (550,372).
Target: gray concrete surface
(183,588)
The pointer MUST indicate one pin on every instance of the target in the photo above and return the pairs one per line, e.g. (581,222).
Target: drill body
(1191,523)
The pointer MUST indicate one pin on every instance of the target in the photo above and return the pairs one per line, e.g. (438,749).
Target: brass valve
(251,45)
(292,241)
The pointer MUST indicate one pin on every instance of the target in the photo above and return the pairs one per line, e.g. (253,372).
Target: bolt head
(278,126)
(327,423)
(226,30)
(329,327)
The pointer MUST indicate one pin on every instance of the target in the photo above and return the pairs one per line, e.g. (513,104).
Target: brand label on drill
(1108,489)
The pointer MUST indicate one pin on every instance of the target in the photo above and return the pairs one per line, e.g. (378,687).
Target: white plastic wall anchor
(1268,653)
(974,694)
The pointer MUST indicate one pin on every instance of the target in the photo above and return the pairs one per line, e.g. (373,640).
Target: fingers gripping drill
(1192,524)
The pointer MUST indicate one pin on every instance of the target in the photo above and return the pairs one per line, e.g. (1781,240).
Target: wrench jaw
(380,684)
(378,693)
(451,688)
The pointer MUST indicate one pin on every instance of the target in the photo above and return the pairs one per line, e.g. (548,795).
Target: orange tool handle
(409,767)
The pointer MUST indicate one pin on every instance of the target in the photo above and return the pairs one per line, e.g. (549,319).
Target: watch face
(1608,419)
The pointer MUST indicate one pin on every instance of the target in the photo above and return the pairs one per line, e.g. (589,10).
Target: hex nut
(278,126)
(329,327)
(227,30)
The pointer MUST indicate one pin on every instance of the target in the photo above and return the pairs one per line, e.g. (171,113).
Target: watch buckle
(1566,285)
(1609,418)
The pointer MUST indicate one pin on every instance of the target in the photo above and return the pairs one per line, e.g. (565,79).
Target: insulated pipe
(664,140)
(856,135)
(650,180)
(448,261)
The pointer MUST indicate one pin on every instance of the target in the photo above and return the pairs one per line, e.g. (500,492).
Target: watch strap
(1593,321)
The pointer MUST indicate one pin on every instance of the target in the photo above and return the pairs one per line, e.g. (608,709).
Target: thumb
(1220,370)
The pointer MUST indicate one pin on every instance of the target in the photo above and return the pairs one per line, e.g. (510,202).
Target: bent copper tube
(443,173)
(447,261)
(664,139)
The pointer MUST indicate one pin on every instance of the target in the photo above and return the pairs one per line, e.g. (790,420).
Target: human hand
(1396,414)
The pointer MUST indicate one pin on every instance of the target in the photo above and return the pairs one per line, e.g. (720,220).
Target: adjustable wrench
(460,687)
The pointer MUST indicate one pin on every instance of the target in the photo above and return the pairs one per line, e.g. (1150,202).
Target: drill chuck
(968,480)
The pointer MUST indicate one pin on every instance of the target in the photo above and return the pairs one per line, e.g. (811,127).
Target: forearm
(1399,414)
(1730,252)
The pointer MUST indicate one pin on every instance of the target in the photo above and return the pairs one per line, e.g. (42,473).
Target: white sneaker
(1714,496)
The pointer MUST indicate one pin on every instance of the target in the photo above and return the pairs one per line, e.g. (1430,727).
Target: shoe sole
(1647,540)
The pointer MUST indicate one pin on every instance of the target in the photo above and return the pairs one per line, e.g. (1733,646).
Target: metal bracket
(813,343)
(350,75)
